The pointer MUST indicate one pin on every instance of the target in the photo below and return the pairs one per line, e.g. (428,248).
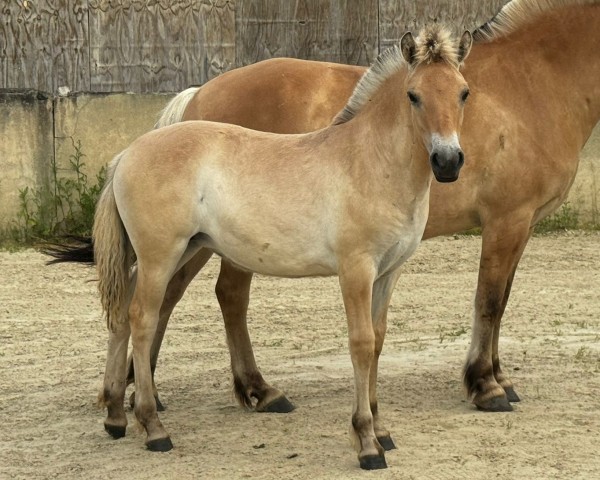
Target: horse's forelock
(433,44)
(436,44)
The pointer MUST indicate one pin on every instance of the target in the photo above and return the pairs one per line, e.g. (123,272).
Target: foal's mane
(517,13)
(434,44)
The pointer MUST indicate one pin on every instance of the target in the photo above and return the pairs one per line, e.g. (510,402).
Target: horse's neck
(577,53)
(562,53)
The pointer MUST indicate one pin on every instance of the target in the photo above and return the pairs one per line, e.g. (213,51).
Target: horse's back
(221,178)
(295,96)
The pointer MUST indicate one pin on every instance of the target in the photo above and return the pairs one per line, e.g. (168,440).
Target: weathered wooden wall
(167,45)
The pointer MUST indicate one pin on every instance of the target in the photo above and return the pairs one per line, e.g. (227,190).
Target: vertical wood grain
(158,46)
(44,45)
(342,31)
(396,17)
(167,45)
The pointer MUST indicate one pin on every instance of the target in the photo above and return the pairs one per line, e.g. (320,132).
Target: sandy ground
(52,346)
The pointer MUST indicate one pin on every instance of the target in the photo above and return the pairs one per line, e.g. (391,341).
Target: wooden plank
(396,17)
(159,46)
(344,31)
(43,45)
(163,46)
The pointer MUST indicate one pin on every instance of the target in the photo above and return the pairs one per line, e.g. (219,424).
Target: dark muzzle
(446,164)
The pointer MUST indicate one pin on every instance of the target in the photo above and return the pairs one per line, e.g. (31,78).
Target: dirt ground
(52,347)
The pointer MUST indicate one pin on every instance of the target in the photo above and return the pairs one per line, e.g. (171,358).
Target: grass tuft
(65,207)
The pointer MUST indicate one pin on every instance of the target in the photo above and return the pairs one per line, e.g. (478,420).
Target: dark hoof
(115,431)
(372,462)
(387,443)
(159,406)
(160,445)
(496,404)
(511,395)
(279,405)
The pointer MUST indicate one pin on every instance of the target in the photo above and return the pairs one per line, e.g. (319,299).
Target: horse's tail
(174,110)
(76,249)
(113,253)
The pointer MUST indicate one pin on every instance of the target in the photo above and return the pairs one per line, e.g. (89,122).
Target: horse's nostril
(461,158)
(434,159)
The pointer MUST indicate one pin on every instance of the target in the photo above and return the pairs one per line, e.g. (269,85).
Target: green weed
(566,218)
(451,335)
(66,206)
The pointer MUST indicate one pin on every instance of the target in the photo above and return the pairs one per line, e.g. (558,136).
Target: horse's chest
(398,253)
(407,241)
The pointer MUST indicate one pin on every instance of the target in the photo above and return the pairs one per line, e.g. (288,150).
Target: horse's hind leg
(501,251)
(113,391)
(174,293)
(233,293)
(154,273)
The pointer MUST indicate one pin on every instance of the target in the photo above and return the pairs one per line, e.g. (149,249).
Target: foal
(349,200)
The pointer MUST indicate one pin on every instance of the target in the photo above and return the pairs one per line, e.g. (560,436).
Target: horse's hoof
(495,404)
(159,406)
(387,443)
(511,395)
(372,462)
(279,405)
(160,445)
(115,431)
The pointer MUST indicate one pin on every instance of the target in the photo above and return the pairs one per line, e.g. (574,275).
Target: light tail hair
(175,109)
(113,254)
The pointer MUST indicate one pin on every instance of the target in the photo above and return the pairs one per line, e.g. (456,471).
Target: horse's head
(437,93)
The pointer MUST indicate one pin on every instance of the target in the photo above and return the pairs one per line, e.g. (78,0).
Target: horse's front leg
(174,293)
(382,294)
(501,377)
(356,282)
(233,293)
(504,241)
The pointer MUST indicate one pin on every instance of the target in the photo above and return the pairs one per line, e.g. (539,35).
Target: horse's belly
(279,260)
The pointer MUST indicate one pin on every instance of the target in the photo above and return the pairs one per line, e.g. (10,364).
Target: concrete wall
(34,128)
(104,123)
(26,146)
(586,188)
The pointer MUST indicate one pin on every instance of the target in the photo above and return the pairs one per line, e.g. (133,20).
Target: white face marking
(439,143)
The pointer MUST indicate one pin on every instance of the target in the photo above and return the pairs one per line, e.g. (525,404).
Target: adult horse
(535,67)
(349,200)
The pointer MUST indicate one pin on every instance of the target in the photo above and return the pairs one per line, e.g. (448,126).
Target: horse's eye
(464,95)
(414,98)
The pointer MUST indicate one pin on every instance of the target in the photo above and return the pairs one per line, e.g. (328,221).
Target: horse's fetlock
(475,378)
(241,393)
(360,423)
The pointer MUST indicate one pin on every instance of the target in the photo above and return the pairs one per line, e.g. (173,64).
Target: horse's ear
(408,47)
(464,46)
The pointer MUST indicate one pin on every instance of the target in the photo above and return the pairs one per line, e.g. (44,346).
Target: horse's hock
(37,128)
